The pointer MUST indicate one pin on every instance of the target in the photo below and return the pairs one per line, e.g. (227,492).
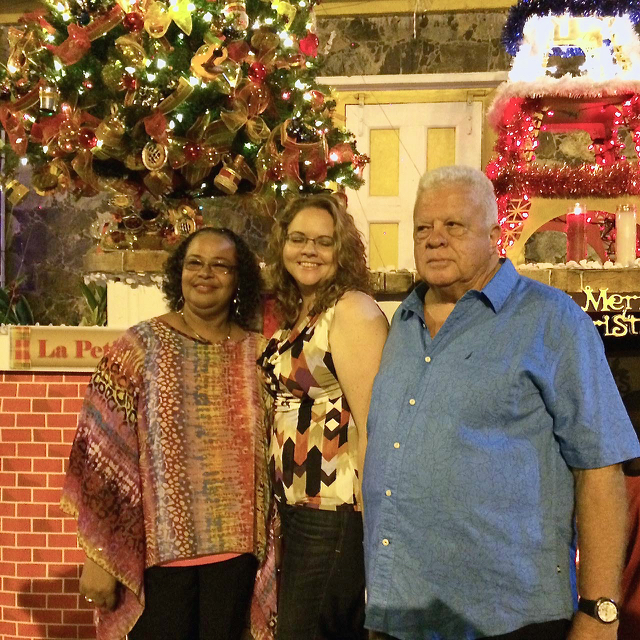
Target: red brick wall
(40,560)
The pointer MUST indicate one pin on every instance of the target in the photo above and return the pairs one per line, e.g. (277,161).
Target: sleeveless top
(313,450)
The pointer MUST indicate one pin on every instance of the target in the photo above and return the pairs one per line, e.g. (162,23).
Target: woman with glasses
(320,368)
(168,471)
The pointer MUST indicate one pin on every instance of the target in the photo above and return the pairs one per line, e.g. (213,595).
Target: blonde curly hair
(349,255)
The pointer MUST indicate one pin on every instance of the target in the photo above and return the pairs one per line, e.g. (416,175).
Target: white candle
(625,234)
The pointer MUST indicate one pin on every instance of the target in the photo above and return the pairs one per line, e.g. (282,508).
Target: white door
(403,141)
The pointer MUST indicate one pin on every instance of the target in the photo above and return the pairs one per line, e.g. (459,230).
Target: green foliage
(14,307)
(95,296)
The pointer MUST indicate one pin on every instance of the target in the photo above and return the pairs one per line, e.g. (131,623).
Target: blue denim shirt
(468,492)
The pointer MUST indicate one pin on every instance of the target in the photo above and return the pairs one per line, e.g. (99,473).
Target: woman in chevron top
(320,368)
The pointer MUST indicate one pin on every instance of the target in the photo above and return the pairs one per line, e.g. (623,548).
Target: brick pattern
(40,561)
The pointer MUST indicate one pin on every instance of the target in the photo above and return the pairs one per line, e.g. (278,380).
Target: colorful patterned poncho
(170,459)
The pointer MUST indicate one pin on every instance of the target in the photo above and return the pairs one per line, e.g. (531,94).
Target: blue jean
(322,583)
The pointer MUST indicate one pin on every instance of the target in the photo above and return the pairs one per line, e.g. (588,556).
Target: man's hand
(98,586)
(585,627)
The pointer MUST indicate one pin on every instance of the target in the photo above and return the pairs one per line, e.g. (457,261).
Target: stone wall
(49,237)
(402,44)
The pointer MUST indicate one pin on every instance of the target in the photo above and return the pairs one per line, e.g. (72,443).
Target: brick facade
(40,560)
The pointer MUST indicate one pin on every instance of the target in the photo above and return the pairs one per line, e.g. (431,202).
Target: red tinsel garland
(563,181)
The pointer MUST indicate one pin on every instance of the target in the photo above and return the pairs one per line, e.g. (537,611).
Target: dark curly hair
(249,283)
(351,273)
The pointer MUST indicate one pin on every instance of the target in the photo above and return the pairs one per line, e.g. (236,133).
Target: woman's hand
(98,586)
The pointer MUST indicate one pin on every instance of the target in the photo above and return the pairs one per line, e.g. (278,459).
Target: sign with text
(617,315)
(52,348)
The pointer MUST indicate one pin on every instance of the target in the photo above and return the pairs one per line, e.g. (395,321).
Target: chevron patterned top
(313,453)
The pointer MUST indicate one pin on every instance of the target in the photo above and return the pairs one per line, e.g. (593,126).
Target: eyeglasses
(217,268)
(300,240)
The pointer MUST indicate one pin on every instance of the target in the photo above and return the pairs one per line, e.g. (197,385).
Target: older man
(494,425)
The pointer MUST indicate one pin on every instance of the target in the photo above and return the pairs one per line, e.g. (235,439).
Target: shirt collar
(496,291)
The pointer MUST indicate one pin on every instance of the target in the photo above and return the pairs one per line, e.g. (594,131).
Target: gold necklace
(197,335)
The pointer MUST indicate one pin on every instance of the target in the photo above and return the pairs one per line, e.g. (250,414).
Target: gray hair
(467,178)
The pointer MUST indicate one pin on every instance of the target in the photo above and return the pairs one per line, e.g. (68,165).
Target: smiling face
(310,264)
(206,289)
(454,242)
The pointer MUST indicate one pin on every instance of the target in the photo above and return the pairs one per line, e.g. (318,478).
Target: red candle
(576,233)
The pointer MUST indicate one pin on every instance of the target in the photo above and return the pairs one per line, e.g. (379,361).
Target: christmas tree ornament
(236,16)
(316,99)
(257,72)
(285,10)
(154,156)
(130,83)
(112,74)
(131,50)
(87,138)
(206,64)
(157,20)
(133,21)
(192,151)
(49,98)
(309,45)
(228,179)
(84,19)
(15,192)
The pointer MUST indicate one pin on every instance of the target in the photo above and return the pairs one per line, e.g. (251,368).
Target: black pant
(205,602)
(322,583)
(554,630)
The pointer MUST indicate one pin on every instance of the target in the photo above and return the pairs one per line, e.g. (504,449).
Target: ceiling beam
(10,14)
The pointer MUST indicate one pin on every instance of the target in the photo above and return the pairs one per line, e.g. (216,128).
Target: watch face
(607,611)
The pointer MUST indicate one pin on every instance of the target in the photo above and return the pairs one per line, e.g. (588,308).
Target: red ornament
(133,21)
(87,84)
(87,138)
(192,151)
(286,95)
(309,45)
(317,99)
(130,83)
(257,72)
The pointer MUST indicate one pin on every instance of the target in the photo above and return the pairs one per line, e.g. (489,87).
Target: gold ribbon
(182,92)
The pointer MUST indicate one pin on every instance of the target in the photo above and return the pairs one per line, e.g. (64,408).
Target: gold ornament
(49,99)
(154,156)
(185,226)
(182,92)
(16,192)
(286,10)
(206,62)
(157,20)
(131,49)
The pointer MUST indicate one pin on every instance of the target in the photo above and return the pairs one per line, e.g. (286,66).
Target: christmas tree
(161,103)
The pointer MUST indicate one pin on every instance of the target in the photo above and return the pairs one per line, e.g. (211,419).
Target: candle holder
(577,233)
(626,234)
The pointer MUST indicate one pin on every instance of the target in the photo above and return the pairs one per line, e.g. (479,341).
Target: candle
(576,233)
(625,234)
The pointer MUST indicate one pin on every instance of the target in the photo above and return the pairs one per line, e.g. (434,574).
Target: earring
(181,302)
(235,305)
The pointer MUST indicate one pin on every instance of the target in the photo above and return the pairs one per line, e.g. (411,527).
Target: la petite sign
(52,348)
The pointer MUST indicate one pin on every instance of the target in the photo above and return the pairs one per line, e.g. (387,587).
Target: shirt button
(385,542)
(412,402)
(396,445)
(388,492)
(427,359)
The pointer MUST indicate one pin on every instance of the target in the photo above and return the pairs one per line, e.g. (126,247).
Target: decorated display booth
(573,86)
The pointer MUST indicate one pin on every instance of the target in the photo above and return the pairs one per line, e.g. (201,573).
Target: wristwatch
(603,610)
